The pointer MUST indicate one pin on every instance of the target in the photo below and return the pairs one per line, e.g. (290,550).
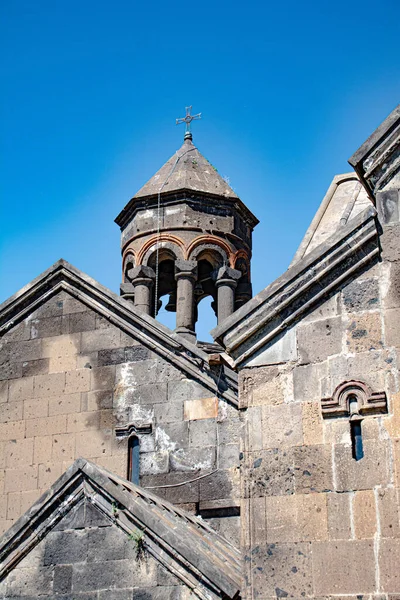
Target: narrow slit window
(133,459)
(356,439)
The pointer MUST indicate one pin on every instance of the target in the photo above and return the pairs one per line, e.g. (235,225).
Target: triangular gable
(62,276)
(344,199)
(266,317)
(184,544)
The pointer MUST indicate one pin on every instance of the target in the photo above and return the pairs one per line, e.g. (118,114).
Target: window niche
(354,400)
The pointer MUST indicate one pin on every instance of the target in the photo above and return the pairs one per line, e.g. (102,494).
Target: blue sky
(91,90)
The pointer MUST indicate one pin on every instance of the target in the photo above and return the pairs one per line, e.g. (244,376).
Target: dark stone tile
(65,547)
(62,579)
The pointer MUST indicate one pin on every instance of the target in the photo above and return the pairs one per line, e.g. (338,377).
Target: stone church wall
(317,522)
(69,377)
(86,557)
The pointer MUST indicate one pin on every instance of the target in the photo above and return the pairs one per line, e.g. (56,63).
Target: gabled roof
(378,159)
(187,169)
(262,320)
(184,544)
(344,199)
(221,381)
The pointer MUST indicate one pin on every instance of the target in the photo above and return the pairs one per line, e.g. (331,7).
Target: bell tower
(186,234)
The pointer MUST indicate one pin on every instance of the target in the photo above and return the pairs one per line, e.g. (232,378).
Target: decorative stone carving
(368,402)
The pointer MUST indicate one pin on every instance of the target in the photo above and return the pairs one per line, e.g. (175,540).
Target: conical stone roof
(187,169)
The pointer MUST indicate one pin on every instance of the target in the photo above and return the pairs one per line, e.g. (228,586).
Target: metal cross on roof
(188,118)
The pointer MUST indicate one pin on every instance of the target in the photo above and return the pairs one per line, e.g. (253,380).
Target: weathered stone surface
(270,472)
(281,426)
(339,527)
(296,518)
(388,500)
(282,570)
(372,470)
(392,327)
(364,332)
(389,560)
(361,295)
(312,423)
(364,511)
(312,469)
(319,340)
(206,408)
(343,567)
(307,382)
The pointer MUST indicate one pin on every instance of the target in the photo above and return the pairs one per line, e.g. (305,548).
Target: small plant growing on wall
(137,538)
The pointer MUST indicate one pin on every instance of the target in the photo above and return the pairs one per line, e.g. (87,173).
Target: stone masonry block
(64,404)
(40,366)
(392,327)
(186,390)
(65,547)
(228,456)
(20,389)
(102,378)
(339,527)
(42,328)
(12,430)
(79,321)
(282,570)
(30,583)
(18,453)
(168,413)
(364,332)
(389,560)
(22,351)
(392,422)
(84,421)
(104,575)
(77,381)
(361,295)
(203,433)
(3,392)
(42,448)
(390,242)
(269,392)
(190,492)
(217,485)
(48,472)
(49,385)
(392,297)
(364,474)
(36,407)
(97,443)
(147,394)
(307,382)
(193,459)
(106,543)
(343,567)
(63,447)
(11,411)
(364,511)
(152,463)
(19,480)
(296,518)
(319,339)
(48,425)
(206,408)
(270,472)
(313,469)
(62,580)
(170,436)
(389,512)
(100,339)
(282,426)
(312,423)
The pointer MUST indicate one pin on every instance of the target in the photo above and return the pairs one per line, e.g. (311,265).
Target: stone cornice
(184,544)
(378,159)
(222,382)
(300,289)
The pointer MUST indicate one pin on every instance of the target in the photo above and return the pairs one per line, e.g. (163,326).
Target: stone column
(142,279)
(186,276)
(127,291)
(226,282)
